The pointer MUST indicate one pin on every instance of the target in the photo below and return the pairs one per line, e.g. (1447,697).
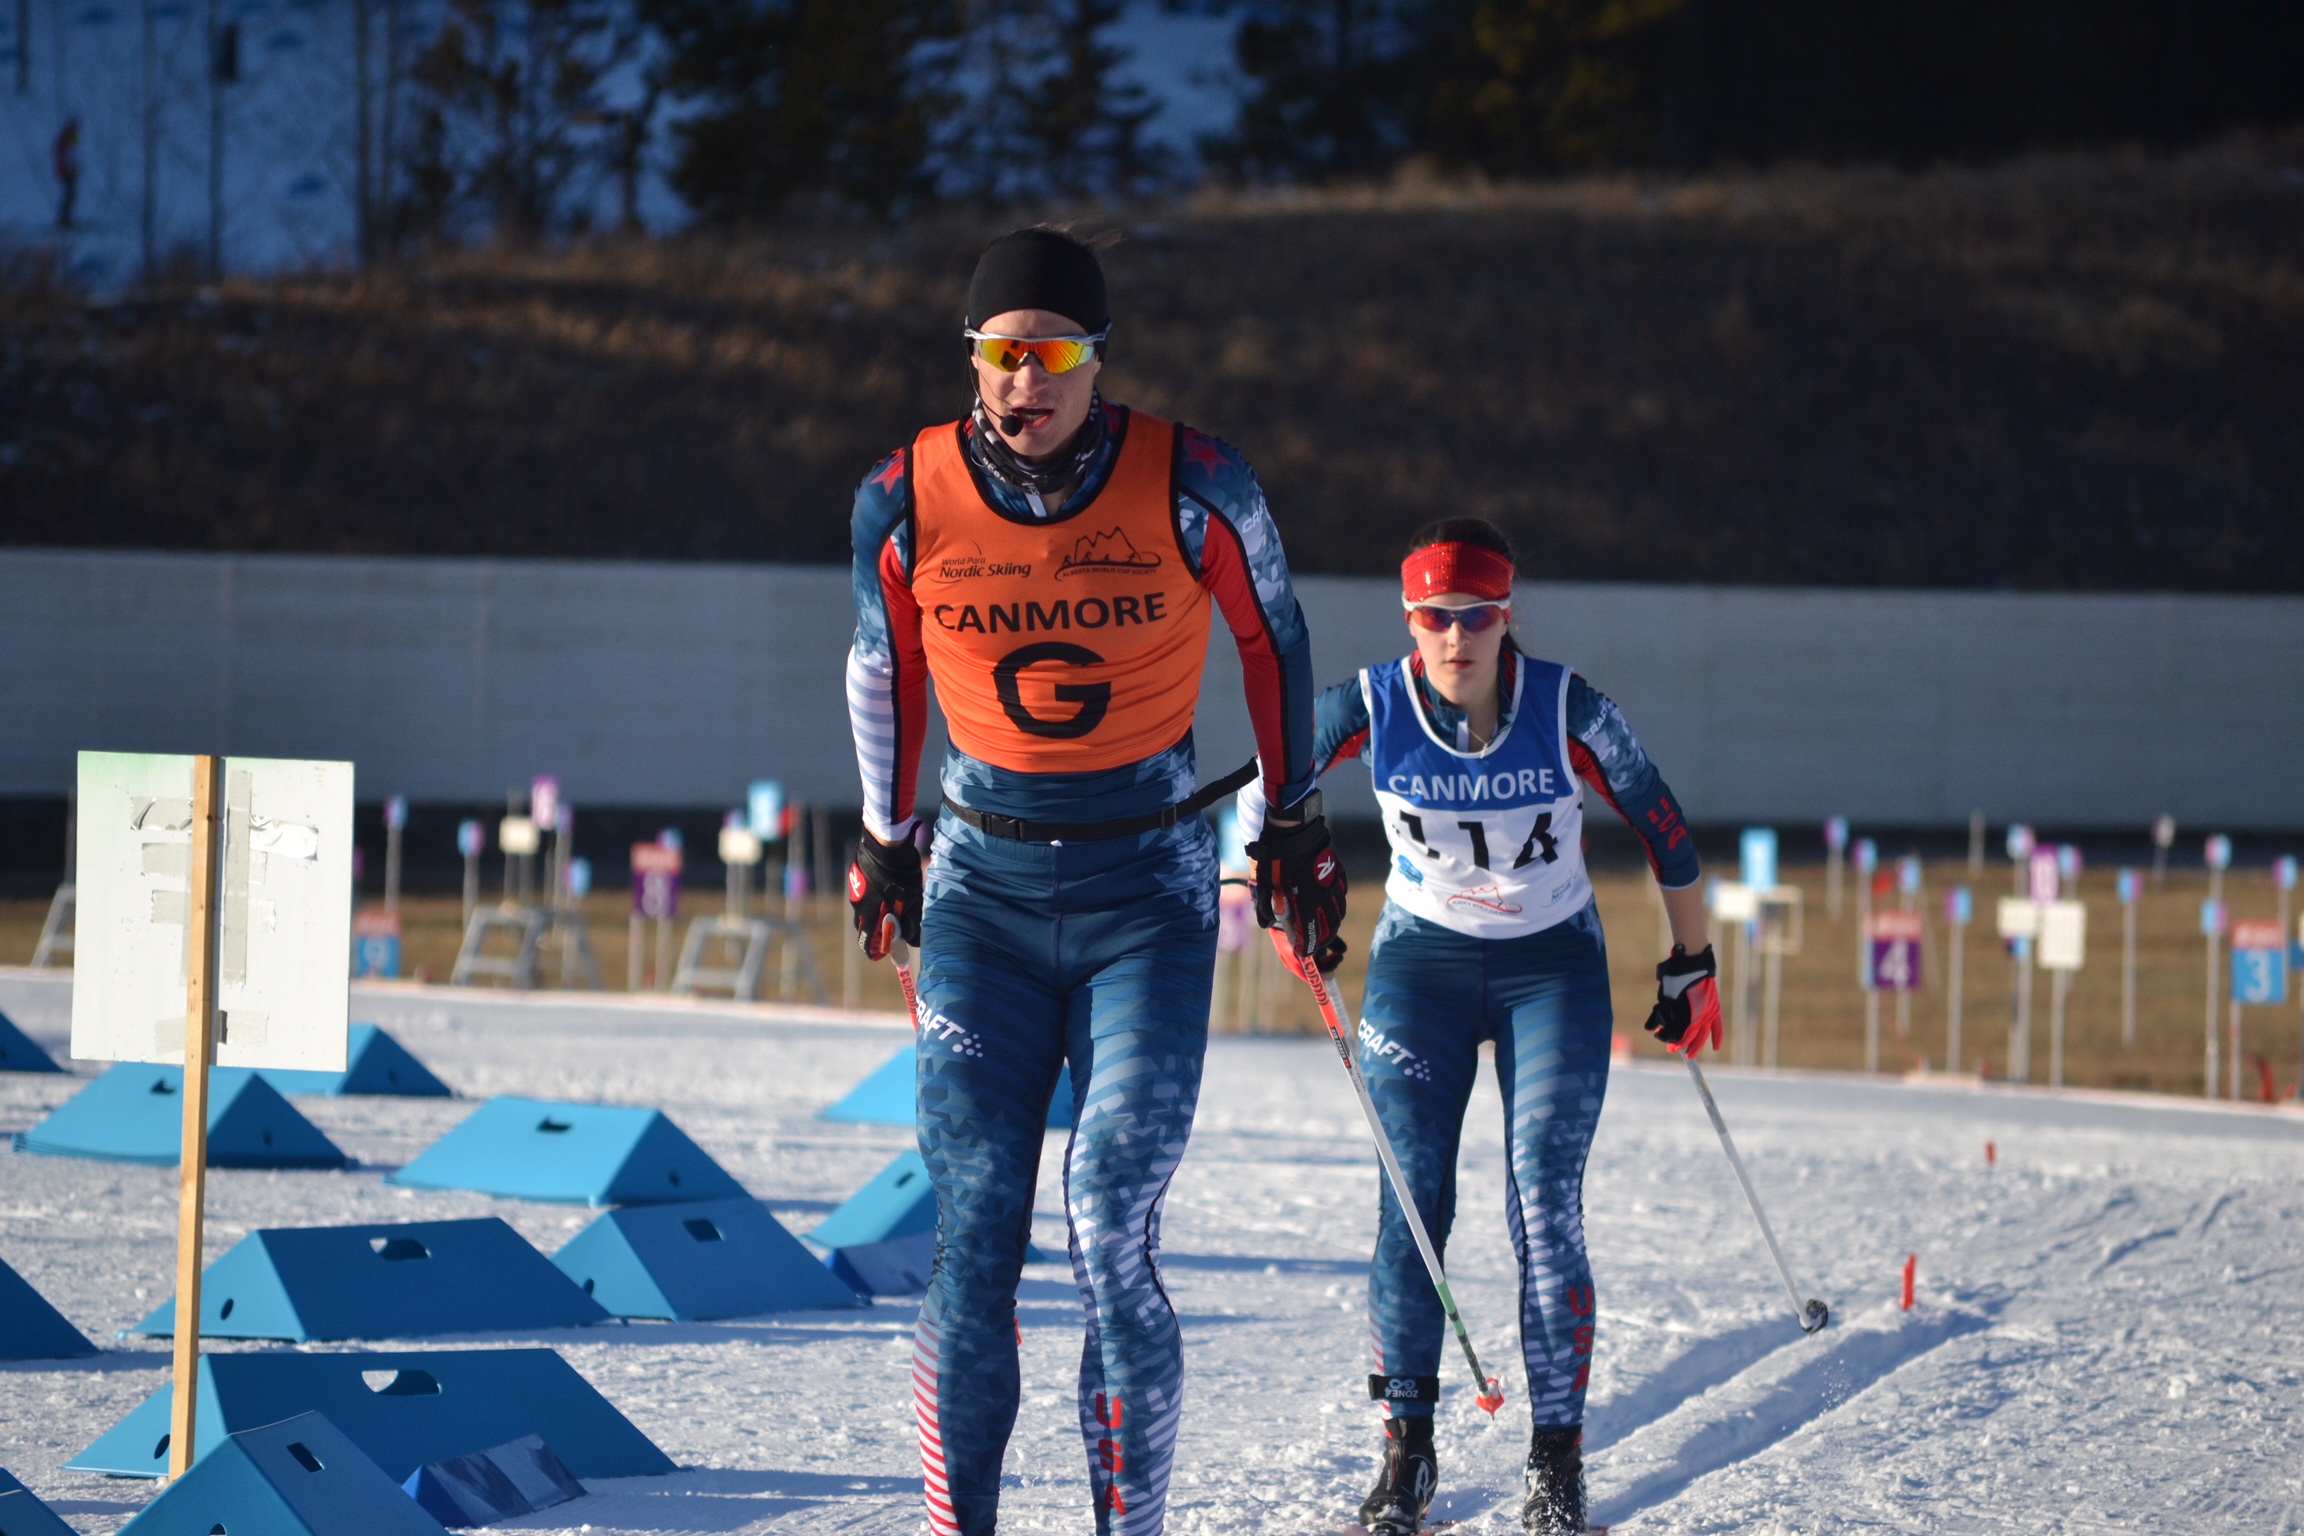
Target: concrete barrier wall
(640,684)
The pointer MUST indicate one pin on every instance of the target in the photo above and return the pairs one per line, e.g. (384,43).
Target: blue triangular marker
(883,1240)
(31,1329)
(398,1281)
(517,1478)
(691,1263)
(19,1052)
(298,1477)
(375,1063)
(403,1408)
(583,1154)
(22,1513)
(886,1097)
(134,1113)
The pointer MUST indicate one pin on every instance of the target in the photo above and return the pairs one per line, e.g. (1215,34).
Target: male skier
(1051,561)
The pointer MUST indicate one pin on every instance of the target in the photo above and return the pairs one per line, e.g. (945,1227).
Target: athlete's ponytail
(1479,533)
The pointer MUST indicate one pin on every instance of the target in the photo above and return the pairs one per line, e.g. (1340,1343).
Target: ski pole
(896,954)
(1491,1393)
(1812,1314)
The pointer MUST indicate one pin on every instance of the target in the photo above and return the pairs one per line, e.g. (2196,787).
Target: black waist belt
(1018,830)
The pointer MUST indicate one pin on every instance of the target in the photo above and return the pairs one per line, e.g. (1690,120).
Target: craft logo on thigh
(936,1028)
(1373,1043)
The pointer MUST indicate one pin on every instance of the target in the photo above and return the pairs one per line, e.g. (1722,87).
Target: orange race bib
(1066,647)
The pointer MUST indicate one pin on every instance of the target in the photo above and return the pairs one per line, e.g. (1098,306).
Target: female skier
(1051,561)
(1489,932)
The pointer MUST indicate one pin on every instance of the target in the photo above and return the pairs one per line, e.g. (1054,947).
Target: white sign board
(2063,935)
(286,911)
(1734,902)
(2019,918)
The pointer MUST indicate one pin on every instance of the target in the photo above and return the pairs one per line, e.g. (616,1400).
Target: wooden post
(200,934)
(1955,995)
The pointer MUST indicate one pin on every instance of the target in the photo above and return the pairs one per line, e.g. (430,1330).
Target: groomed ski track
(2109,1335)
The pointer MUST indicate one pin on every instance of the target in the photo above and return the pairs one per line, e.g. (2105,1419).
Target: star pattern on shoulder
(1203,452)
(891,471)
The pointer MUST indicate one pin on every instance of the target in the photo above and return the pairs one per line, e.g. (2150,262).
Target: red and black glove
(1687,1012)
(1300,884)
(884,891)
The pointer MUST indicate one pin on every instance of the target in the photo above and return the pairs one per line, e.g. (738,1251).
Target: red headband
(1465,568)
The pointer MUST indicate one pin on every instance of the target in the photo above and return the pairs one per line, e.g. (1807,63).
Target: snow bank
(2107,1332)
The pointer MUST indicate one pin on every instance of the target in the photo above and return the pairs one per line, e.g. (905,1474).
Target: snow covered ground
(2110,1329)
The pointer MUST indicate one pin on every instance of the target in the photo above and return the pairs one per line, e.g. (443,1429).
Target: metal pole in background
(2020,1036)
(2130,890)
(1958,906)
(395,822)
(201,957)
(2232,1056)
(2059,985)
(2211,924)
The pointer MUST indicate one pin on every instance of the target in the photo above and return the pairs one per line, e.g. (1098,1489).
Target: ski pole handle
(1490,1394)
(896,953)
(1812,1313)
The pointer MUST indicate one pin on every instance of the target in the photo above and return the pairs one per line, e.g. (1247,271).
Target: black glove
(884,891)
(1300,882)
(1687,1012)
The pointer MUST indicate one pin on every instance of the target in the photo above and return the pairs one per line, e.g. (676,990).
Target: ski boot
(1555,1502)
(1404,1489)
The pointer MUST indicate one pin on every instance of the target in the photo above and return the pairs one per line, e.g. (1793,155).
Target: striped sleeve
(887,666)
(1245,569)
(1339,733)
(1609,757)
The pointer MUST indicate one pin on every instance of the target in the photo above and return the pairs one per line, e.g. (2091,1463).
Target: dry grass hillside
(2062,372)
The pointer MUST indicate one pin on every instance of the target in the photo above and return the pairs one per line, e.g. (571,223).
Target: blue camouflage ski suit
(1037,957)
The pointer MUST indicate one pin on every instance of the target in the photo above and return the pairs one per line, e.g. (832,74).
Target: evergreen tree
(1038,113)
(1520,87)
(1326,88)
(831,100)
(511,112)
(1089,129)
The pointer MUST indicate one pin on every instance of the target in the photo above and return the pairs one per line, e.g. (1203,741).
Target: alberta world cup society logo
(1110,550)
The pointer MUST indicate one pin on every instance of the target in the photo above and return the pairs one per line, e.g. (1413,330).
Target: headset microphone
(1011,425)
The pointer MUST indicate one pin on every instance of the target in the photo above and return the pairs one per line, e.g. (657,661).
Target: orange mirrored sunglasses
(1057,354)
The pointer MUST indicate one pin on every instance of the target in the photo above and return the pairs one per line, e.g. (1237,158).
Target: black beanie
(1039,269)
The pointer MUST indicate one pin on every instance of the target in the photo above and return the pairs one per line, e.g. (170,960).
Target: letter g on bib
(1093,698)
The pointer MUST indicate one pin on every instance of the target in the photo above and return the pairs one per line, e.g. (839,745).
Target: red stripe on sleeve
(910,658)
(1224,572)
(1346,750)
(1588,769)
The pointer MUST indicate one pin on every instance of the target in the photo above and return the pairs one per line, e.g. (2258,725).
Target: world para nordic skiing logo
(1110,550)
